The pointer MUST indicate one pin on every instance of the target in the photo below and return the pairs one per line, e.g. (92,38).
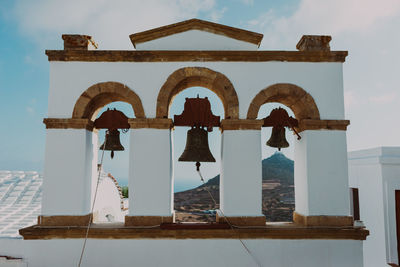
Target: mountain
(277,198)
(276,167)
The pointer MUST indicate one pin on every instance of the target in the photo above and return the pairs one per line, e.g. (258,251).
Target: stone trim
(273,231)
(334,221)
(155,123)
(65,220)
(242,220)
(296,98)
(101,94)
(54,123)
(196,24)
(314,43)
(198,76)
(308,124)
(238,124)
(78,42)
(147,220)
(195,55)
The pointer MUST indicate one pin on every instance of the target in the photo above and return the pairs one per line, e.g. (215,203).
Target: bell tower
(166,61)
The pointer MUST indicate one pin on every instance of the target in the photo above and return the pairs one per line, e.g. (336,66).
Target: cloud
(350,99)
(247,2)
(383,98)
(109,22)
(323,17)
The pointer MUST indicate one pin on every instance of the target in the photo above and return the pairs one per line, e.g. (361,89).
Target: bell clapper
(198,166)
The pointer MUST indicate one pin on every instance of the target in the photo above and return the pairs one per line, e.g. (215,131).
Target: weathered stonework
(65,220)
(235,124)
(314,43)
(339,221)
(198,76)
(196,24)
(196,55)
(101,94)
(308,124)
(242,220)
(147,220)
(297,99)
(156,123)
(54,123)
(78,42)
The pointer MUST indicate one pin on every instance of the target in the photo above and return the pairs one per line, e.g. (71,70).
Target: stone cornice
(238,124)
(307,124)
(155,123)
(194,56)
(282,231)
(55,123)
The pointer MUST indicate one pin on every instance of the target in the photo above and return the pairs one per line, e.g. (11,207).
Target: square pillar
(67,186)
(241,173)
(150,177)
(321,179)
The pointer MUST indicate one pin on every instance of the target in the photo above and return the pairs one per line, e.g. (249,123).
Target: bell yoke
(112,120)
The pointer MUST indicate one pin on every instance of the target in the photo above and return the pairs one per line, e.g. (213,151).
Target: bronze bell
(278,138)
(197,149)
(112,142)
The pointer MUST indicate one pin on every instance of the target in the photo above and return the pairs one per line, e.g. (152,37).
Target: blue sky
(368,29)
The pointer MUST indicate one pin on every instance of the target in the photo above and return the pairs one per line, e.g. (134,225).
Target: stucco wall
(221,252)
(68,80)
(376,173)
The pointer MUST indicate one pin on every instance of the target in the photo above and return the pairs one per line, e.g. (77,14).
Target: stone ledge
(326,221)
(235,124)
(202,56)
(65,220)
(119,231)
(147,220)
(55,123)
(242,220)
(155,123)
(308,124)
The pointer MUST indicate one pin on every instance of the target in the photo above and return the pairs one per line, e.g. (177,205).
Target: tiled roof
(20,201)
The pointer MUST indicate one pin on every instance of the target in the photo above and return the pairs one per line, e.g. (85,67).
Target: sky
(368,29)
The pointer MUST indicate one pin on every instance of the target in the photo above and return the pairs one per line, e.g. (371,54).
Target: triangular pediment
(196,27)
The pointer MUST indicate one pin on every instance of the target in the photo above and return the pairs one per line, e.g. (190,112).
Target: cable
(94,201)
(226,219)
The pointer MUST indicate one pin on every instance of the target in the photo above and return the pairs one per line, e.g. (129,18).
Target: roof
(20,201)
(196,24)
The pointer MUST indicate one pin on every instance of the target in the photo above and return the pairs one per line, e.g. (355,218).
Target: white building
(20,206)
(374,176)
(166,61)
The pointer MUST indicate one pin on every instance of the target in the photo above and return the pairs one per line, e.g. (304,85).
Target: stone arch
(296,98)
(198,76)
(101,94)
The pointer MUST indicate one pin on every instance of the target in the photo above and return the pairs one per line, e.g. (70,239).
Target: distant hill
(276,167)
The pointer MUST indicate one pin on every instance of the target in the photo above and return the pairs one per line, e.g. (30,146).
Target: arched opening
(111,202)
(278,200)
(112,197)
(169,103)
(279,192)
(192,202)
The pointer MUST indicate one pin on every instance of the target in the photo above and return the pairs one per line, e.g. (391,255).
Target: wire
(226,219)
(94,201)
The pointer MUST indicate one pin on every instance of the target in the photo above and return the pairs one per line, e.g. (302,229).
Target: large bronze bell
(278,138)
(112,142)
(197,149)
